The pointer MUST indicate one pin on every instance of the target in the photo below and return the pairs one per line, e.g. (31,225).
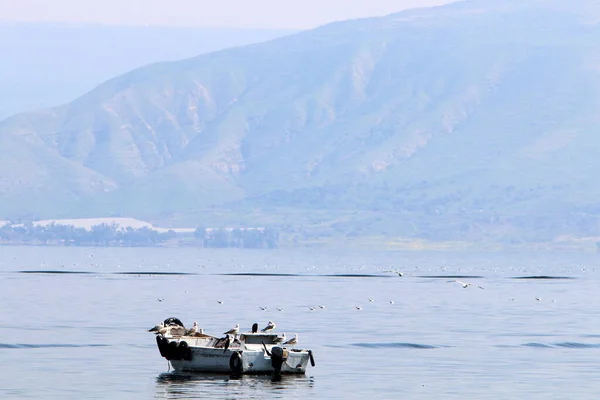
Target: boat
(245,353)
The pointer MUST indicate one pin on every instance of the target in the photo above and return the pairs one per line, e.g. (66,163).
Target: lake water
(84,335)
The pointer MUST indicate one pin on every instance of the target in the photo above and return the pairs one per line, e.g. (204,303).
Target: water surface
(74,322)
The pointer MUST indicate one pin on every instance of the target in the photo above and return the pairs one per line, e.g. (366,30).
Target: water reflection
(178,385)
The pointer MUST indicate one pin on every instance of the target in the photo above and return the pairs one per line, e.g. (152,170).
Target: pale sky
(268,14)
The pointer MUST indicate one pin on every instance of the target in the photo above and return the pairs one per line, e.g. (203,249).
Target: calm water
(83,335)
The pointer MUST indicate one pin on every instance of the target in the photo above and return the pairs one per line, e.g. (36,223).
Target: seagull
(220,301)
(371,300)
(263,308)
(233,331)
(226,345)
(391,301)
(394,271)
(280,339)
(160,299)
(193,329)
(465,284)
(157,328)
(279,309)
(176,330)
(358,308)
(293,340)
(322,307)
(270,326)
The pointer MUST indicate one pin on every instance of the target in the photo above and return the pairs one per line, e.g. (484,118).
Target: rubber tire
(185,351)
(163,345)
(235,364)
(174,351)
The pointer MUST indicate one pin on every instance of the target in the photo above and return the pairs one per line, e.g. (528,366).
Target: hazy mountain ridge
(47,64)
(447,111)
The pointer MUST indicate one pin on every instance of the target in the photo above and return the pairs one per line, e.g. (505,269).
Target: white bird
(176,330)
(358,308)
(270,326)
(322,307)
(292,341)
(465,284)
(233,331)
(395,272)
(263,308)
(220,301)
(193,329)
(371,300)
(279,309)
(157,328)
(391,301)
(280,339)
(160,299)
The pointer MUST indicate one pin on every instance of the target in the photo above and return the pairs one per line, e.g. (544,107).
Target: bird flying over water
(465,284)
(270,326)
(394,271)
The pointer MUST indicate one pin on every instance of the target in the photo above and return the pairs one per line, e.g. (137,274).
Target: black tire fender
(185,351)
(163,344)
(173,351)
(235,363)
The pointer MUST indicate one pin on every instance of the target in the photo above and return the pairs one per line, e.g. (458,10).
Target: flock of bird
(174,328)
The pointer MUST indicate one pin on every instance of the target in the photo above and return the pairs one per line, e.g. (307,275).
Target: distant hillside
(477,120)
(47,64)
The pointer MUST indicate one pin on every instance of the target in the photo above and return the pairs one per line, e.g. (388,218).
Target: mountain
(476,120)
(44,64)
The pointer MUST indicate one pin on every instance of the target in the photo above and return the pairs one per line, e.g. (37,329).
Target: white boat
(247,353)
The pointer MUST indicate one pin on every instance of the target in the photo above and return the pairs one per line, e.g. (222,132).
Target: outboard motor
(254,327)
(278,356)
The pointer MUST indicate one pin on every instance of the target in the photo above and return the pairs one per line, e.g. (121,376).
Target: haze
(265,14)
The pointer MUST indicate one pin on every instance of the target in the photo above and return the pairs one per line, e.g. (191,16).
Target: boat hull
(252,362)
(200,355)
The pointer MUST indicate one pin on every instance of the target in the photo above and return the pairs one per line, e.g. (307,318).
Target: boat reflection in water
(192,385)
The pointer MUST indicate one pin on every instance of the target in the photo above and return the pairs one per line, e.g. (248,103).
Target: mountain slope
(476,108)
(45,64)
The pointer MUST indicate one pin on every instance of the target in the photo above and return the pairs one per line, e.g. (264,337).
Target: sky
(266,14)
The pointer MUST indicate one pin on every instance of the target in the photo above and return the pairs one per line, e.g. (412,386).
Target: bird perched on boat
(465,284)
(279,339)
(293,341)
(193,329)
(176,330)
(233,331)
(270,326)
(200,333)
(157,328)
(226,345)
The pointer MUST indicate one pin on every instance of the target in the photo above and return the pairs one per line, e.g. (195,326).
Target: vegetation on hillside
(472,121)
